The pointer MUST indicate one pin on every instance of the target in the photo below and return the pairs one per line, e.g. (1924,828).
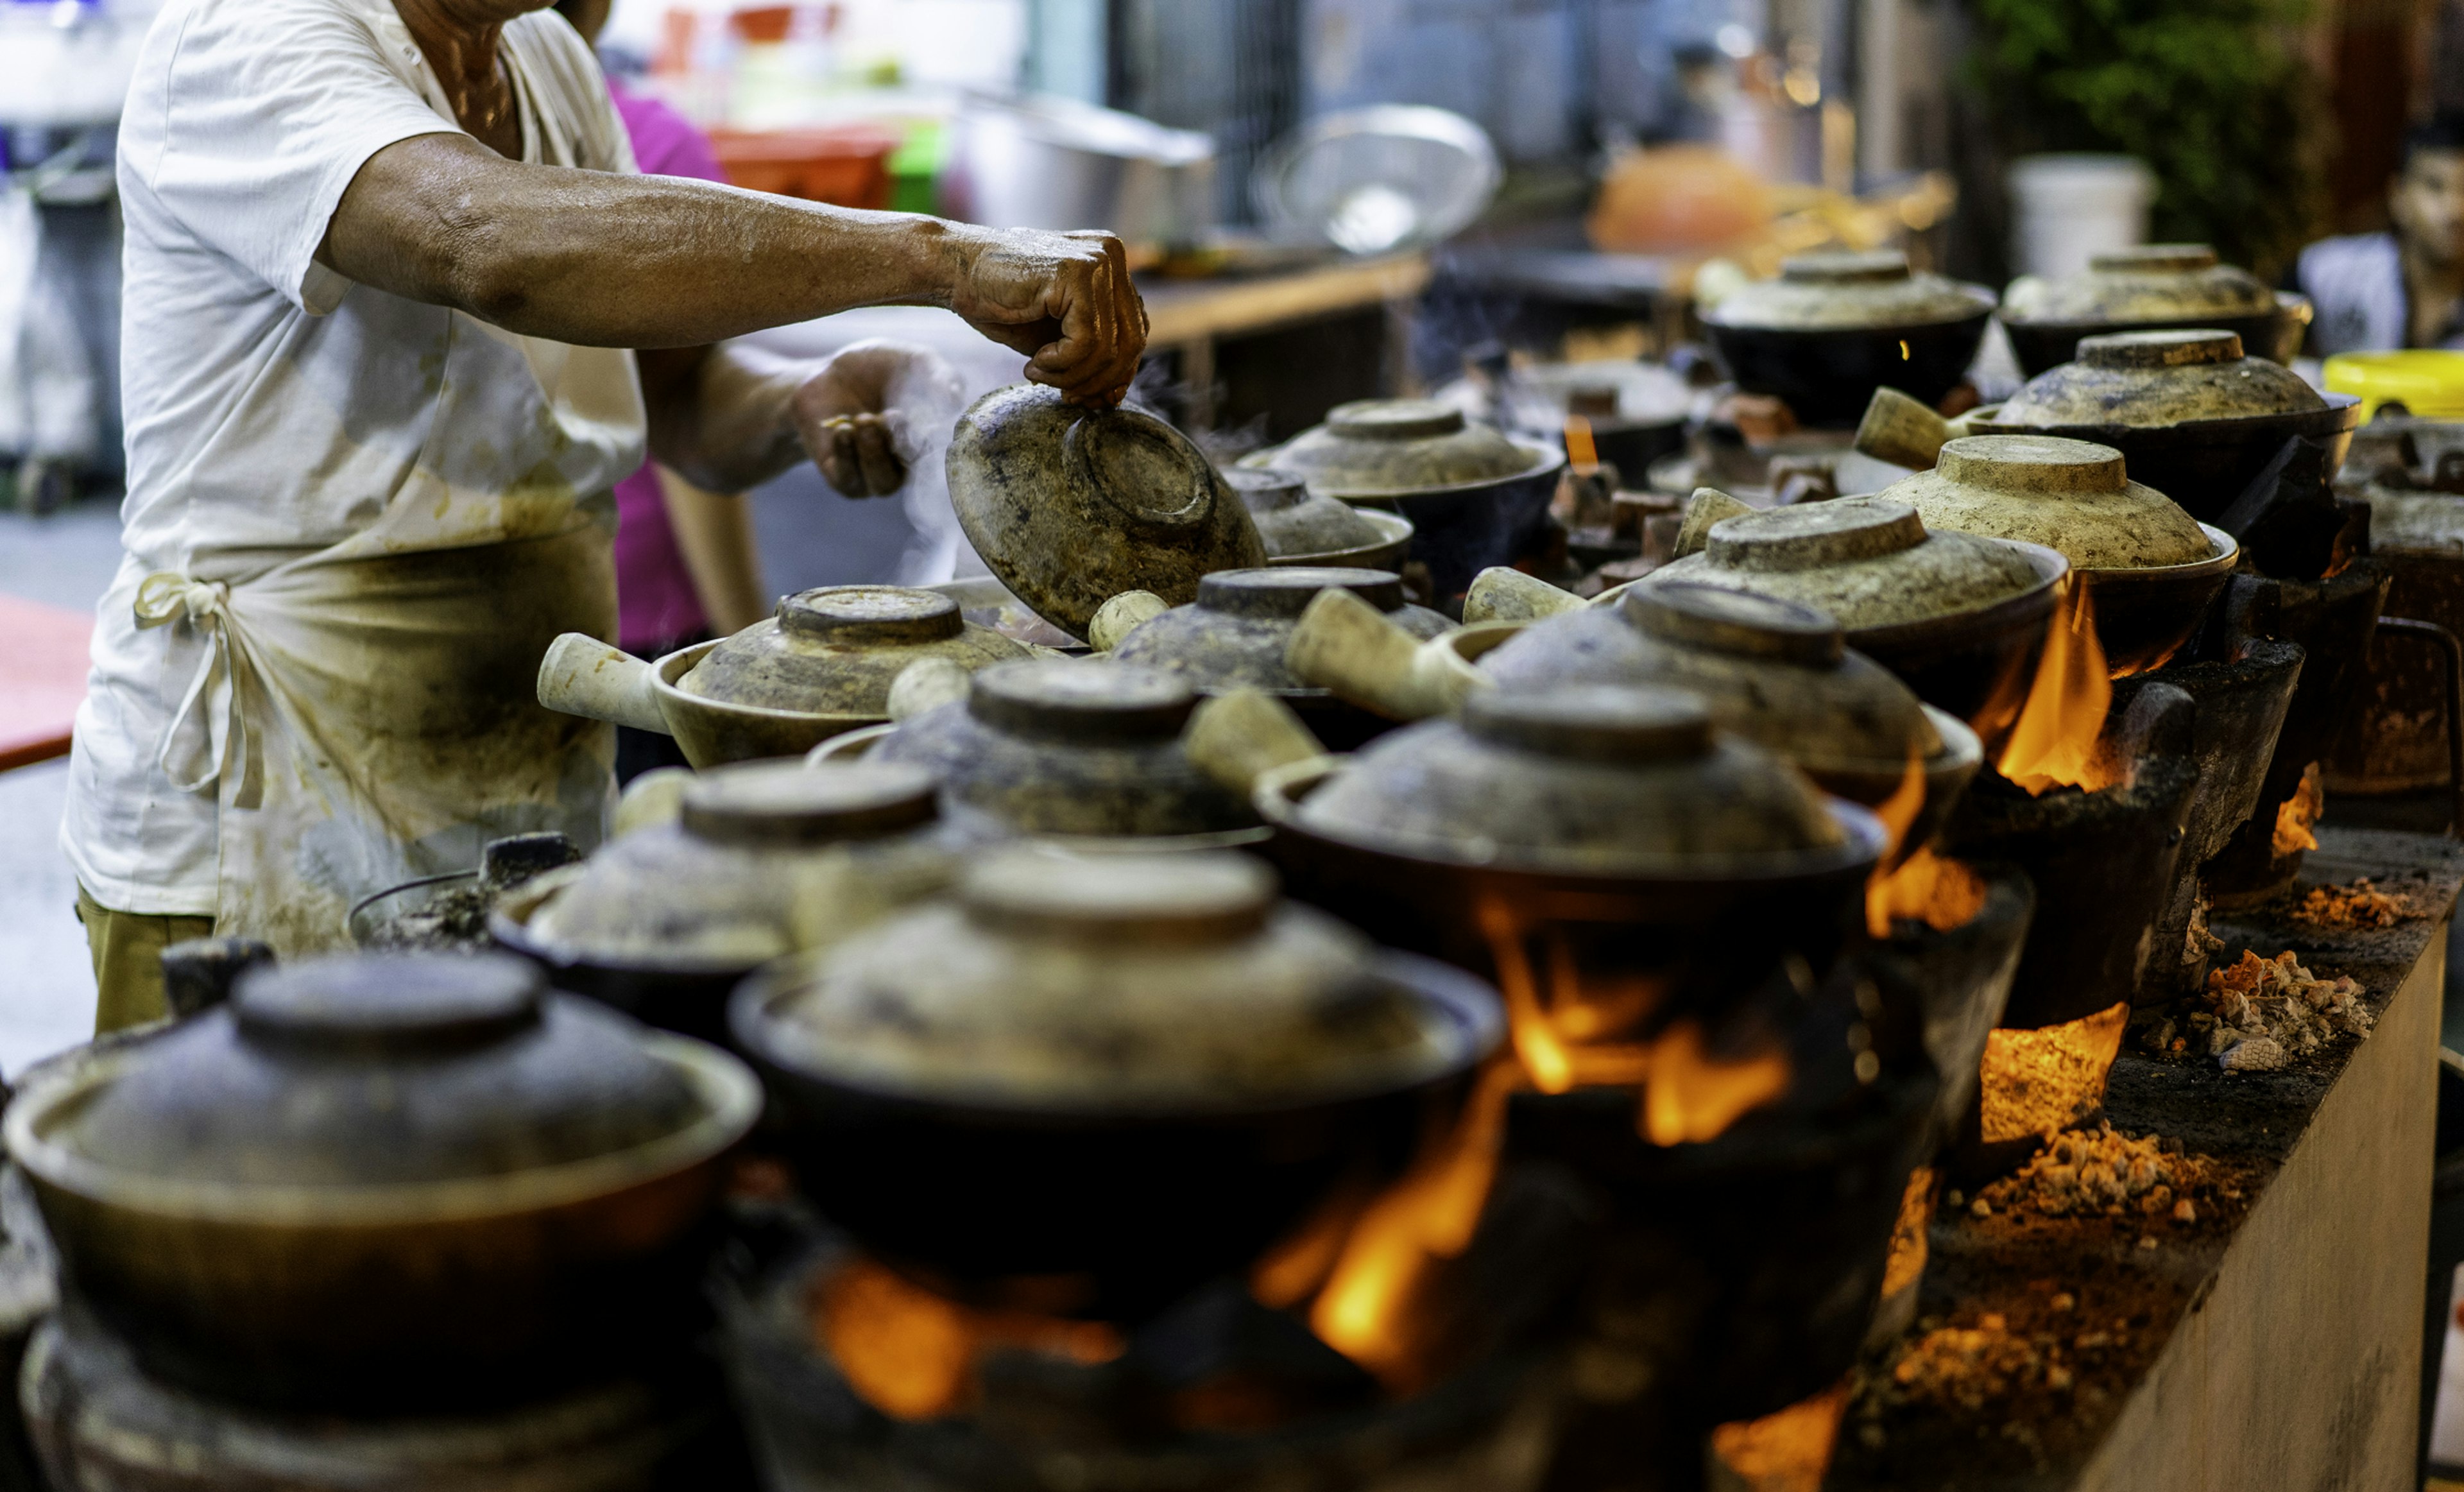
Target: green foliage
(2209,93)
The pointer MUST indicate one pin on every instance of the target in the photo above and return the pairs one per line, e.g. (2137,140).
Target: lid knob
(1284,591)
(851,615)
(1394,419)
(789,804)
(1809,536)
(389,1001)
(2154,259)
(2159,349)
(1738,622)
(1189,897)
(2030,466)
(1142,467)
(1595,723)
(1877,267)
(1266,488)
(1066,699)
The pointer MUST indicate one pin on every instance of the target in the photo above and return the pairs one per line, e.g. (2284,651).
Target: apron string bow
(200,738)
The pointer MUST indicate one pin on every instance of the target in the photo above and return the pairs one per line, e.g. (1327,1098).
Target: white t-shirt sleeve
(270,108)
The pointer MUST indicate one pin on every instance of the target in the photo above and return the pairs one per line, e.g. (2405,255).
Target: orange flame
(2044,1081)
(1941,893)
(2297,813)
(1581,454)
(1786,1452)
(2054,744)
(1898,811)
(911,1354)
(1905,1264)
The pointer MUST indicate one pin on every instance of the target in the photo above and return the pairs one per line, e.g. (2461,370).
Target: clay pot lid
(1584,778)
(1292,520)
(786,803)
(2152,282)
(1151,983)
(381,1069)
(835,650)
(1866,562)
(1374,447)
(1235,635)
(1738,622)
(2071,495)
(1849,291)
(1071,507)
(2149,380)
(1082,700)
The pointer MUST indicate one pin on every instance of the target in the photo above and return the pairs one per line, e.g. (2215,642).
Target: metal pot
(2150,569)
(1104,1081)
(765,858)
(823,664)
(1475,497)
(2195,419)
(385,1184)
(1959,617)
(1302,528)
(1834,327)
(2150,288)
(1055,163)
(1087,749)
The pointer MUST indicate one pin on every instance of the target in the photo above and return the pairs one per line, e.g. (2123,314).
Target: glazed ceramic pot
(1071,507)
(1960,619)
(2195,418)
(1090,749)
(1775,672)
(823,664)
(1612,825)
(1108,1080)
(2150,569)
(1475,497)
(1235,634)
(385,1184)
(764,858)
(1302,528)
(1834,327)
(2148,288)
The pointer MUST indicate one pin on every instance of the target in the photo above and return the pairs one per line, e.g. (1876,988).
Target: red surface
(42,678)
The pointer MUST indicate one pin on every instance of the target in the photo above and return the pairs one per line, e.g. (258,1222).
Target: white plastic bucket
(2066,209)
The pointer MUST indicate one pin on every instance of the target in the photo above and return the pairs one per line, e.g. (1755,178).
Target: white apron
(365,714)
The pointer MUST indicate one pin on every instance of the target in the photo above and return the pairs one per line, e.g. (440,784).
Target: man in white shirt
(398,316)
(2379,292)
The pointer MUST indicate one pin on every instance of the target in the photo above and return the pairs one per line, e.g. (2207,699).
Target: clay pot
(1636,411)
(1959,617)
(1235,634)
(1085,748)
(1119,1077)
(386,1182)
(765,858)
(2195,418)
(2152,287)
(1475,497)
(1071,507)
(986,601)
(2151,568)
(823,664)
(1834,327)
(1301,528)
(1773,672)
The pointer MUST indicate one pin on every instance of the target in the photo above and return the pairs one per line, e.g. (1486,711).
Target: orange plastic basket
(844,165)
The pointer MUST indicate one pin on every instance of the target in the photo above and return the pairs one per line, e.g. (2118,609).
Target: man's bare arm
(599,259)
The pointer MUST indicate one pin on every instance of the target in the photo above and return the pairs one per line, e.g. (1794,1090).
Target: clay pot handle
(1239,737)
(926,684)
(1122,615)
(1503,594)
(1899,429)
(1707,506)
(1346,644)
(654,798)
(581,675)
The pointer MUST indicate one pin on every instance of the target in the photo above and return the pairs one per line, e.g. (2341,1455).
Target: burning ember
(2360,905)
(2296,814)
(1786,1452)
(912,1353)
(2044,1081)
(2055,742)
(2264,1011)
(2103,1170)
(1941,893)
